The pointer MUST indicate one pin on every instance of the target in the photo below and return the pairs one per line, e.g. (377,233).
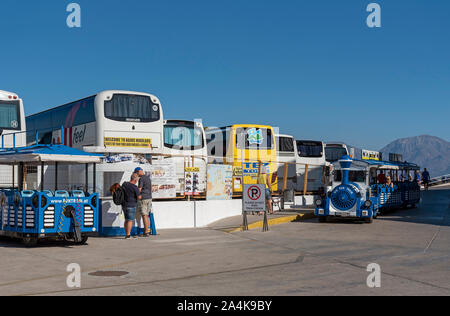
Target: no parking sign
(254,197)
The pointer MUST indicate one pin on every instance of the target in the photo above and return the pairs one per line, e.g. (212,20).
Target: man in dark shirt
(144,207)
(132,196)
(426,178)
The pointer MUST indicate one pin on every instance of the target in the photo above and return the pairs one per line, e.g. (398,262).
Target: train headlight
(318,202)
(367,203)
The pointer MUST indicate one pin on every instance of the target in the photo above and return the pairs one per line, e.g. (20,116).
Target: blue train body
(34,215)
(353,193)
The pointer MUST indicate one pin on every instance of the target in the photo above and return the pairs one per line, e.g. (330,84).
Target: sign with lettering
(254,197)
(128,142)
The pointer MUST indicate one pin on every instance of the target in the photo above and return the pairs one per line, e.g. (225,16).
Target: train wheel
(83,241)
(30,241)
(323,219)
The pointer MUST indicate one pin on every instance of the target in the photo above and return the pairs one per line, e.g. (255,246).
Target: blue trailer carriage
(354,191)
(32,214)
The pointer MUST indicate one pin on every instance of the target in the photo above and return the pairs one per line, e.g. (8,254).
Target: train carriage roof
(47,154)
(364,164)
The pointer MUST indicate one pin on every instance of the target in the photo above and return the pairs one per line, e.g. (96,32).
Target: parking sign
(254,197)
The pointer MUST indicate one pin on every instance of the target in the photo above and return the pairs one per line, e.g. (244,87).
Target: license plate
(344,214)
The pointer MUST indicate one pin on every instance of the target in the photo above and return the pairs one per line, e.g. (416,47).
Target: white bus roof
(284,135)
(104,93)
(6,95)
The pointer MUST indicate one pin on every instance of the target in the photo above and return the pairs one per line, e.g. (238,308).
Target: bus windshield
(10,115)
(309,149)
(255,138)
(131,108)
(183,136)
(286,144)
(334,153)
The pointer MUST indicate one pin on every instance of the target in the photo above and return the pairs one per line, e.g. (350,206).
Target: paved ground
(302,258)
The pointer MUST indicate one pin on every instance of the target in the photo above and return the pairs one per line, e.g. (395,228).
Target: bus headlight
(367,203)
(318,202)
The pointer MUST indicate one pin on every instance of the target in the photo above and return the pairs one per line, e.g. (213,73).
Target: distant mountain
(427,151)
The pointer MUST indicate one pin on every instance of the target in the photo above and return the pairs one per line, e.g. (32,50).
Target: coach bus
(312,154)
(125,126)
(12,130)
(108,122)
(185,144)
(334,151)
(286,157)
(249,148)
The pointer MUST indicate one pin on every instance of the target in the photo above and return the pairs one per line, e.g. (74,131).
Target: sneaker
(127,237)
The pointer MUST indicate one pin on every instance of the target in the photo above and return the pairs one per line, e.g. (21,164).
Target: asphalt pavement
(411,247)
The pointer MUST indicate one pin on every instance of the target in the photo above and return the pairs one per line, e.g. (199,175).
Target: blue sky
(313,68)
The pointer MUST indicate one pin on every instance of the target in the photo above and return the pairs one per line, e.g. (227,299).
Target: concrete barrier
(171,215)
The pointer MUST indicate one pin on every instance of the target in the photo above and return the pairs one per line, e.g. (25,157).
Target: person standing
(131,197)
(426,178)
(266,179)
(381,178)
(417,177)
(144,207)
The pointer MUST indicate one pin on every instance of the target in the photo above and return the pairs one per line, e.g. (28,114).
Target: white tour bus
(311,153)
(109,122)
(125,126)
(287,153)
(185,144)
(335,151)
(12,130)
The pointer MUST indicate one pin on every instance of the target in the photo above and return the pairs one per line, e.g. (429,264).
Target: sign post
(254,200)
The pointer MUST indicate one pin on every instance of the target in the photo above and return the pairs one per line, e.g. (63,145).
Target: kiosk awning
(47,154)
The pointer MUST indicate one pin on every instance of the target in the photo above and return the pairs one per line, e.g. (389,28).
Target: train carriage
(356,191)
(32,214)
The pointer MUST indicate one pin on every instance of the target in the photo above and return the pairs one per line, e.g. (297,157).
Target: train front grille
(49,217)
(88,217)
(29,217)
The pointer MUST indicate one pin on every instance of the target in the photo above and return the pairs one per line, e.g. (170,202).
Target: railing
(14,140)
(440,180)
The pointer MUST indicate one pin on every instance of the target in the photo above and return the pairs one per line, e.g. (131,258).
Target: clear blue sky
(313,68)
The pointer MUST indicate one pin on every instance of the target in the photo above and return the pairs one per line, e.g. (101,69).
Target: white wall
(184,214)
(177,214)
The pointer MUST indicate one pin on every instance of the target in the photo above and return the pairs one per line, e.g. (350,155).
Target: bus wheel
(30,241)
(322,219)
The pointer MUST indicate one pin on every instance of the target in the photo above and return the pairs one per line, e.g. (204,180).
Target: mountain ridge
(427,151)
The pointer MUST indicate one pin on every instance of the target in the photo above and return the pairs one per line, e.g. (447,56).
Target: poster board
(164,180)
(220,182)
(191,181)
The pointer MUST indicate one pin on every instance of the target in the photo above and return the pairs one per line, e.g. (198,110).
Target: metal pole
(86,177)
(13,175)
(266,223)
(95,178)
(42,176)
(56,176)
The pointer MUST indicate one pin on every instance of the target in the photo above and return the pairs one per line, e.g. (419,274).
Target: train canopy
(47,154)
